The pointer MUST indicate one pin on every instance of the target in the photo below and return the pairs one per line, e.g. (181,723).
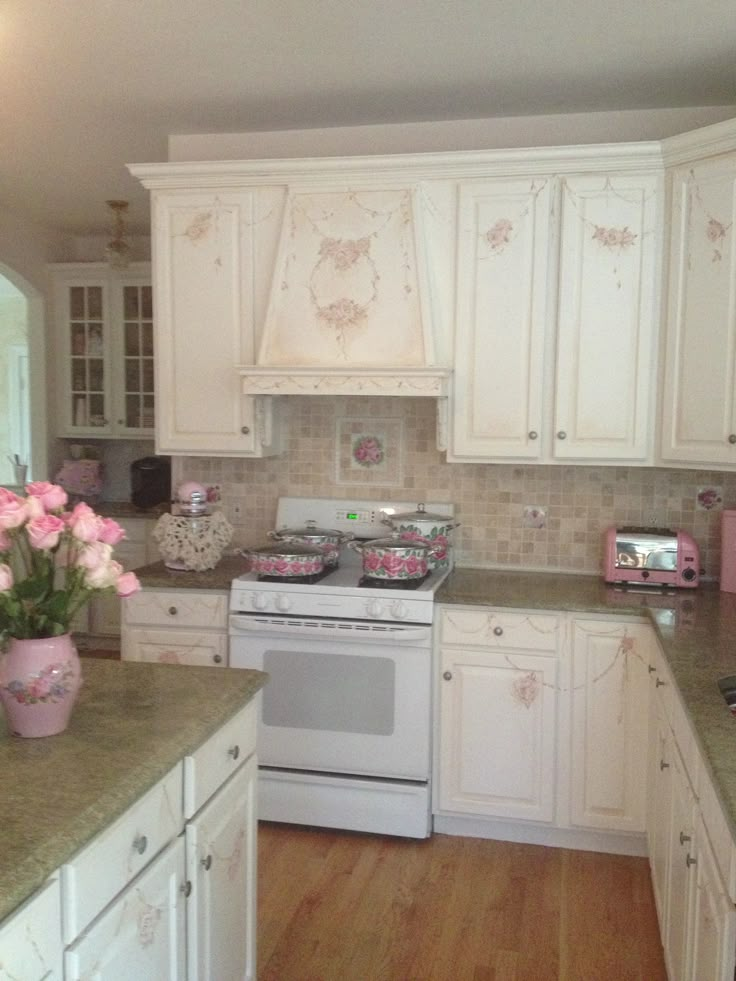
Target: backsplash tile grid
(579,502)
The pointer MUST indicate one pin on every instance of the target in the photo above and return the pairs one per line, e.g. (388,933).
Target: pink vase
(39,681)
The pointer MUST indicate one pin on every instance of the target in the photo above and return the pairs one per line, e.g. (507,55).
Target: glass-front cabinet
(104,335)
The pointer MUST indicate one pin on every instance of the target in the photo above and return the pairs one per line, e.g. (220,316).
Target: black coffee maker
(150,481)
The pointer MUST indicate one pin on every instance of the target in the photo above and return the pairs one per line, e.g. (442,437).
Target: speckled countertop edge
(696,629)
(131,725)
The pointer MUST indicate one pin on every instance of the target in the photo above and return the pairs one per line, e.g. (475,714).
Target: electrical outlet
(237,511)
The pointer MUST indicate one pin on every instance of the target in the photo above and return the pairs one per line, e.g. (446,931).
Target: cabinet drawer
(172,646)
(491,628)
(119,853)
(210,766)
(183,608)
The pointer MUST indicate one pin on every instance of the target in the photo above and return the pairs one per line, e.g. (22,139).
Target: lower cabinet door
(714,920)
(221,864)
(142,933)
(30,940)
(497,734)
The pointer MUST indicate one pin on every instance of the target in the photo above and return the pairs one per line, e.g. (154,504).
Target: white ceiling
(89,85)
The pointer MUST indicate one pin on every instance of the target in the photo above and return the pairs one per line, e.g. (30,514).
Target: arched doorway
(22,378)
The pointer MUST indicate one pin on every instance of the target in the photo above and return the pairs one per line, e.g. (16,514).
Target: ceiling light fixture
(117,251)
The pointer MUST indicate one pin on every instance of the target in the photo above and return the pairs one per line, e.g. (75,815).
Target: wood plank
(343,906)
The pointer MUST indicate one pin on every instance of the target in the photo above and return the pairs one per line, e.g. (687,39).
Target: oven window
(329,692)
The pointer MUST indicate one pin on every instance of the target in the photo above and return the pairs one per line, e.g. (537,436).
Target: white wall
(463,134)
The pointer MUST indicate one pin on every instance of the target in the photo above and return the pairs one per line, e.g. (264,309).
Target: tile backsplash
(516,516)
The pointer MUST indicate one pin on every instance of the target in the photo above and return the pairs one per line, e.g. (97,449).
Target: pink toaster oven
(650,556)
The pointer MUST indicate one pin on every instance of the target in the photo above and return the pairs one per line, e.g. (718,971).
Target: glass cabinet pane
(87,369)
(138,353)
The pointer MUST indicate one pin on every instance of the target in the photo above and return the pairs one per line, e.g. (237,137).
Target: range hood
(350,310)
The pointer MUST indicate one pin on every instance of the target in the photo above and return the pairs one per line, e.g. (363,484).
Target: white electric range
(345,732)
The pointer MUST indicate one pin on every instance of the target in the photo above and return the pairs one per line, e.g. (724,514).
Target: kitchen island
(135,728)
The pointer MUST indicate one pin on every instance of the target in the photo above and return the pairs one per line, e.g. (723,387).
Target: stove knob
(260,601)
(374,608)
(283,603)
(399,610)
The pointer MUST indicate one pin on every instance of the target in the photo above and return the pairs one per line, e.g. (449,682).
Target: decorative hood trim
(258,380)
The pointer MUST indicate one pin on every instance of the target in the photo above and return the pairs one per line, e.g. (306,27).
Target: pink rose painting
(368,451)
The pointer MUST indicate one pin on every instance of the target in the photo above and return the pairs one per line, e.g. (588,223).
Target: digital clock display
(352,516)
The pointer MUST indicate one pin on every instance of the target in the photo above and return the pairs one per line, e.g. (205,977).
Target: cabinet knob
(245,430)
(684,838)
(659,683)
(498,631)
(663,765)
(732,438)
(234,751)
(173,611)
(140,843)
(206,863)
(447,675)
(121,422)
(186,888)
(562,434)
(651,668)
(217,658)
(689,860)
(533,434)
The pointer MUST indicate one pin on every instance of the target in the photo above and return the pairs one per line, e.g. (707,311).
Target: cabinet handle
(245,430)
(533,434)
(684,838)
(447,675)
(689,860)
(206,863)
(234,751)
(140,843)
(732,438)
(663,765)
(186,888)
(659,683)
(217,658)
(651,669)
(173,611)
(498,631)
(562,434)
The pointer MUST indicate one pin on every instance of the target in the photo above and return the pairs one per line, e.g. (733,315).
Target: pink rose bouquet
(52,561)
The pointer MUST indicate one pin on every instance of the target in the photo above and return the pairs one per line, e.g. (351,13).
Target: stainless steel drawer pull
(732,438)
(173,611)
(689,860)
(533,434)
(659,683)
(651,669)
(447,675)
(245,430)
(217,658)
(684,838)
(498,631)
(186,888)
(562,434)
(140,843)
(206,863)
(234,752)
(663,765)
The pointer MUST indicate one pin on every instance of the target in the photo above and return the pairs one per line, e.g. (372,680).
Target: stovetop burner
(371,582)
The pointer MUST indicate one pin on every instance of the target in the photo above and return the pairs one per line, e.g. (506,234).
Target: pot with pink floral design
(286,560)
(422,525)
(327,540)
(395,557)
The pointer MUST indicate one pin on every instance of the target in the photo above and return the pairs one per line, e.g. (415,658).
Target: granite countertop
(156,575)
(696,629)
(132,723)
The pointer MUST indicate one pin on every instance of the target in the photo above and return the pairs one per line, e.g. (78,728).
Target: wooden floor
(337,906)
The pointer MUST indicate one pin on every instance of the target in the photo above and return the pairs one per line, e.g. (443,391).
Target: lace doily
(195,544)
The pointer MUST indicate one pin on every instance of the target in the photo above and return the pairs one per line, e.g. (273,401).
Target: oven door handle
(355,631)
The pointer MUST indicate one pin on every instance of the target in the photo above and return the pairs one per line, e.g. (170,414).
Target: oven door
(343,696)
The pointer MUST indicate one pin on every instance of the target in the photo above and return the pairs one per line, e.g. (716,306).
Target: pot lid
(396,541)
(310,530)
(286,549)
(420,515)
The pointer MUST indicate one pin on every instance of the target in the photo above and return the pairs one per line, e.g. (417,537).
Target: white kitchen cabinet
(213,258)
(498,714)
(142,934)
(607,318)
(504,246)
(576,383)
(30,940)
(699,400)
(104,350)
(185,626)
(221,846)
(609,723)
(713,919)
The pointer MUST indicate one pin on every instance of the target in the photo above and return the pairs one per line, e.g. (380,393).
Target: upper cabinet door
(503,257)
(698,418)
(212,265)
(610,256)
